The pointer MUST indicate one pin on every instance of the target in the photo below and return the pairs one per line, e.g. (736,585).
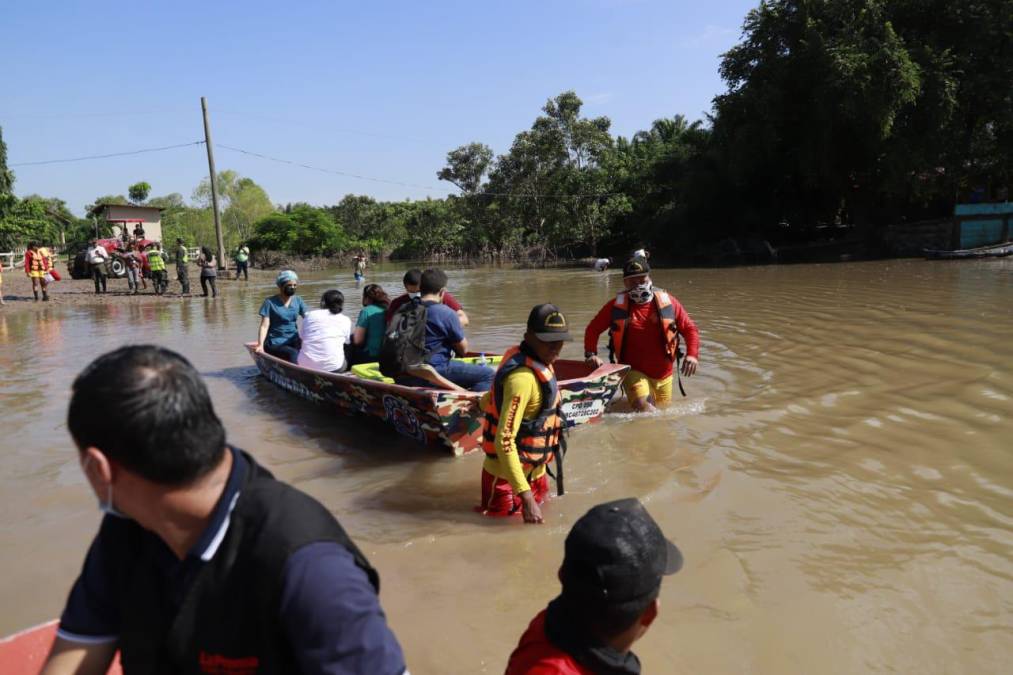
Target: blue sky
(381,89)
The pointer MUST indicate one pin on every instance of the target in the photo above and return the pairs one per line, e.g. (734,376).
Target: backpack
(404,343)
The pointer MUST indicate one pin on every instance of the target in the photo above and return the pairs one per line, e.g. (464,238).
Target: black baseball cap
(617,553)
(636,267)
(548,323)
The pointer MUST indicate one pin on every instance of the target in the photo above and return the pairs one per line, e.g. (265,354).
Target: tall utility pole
(214,182)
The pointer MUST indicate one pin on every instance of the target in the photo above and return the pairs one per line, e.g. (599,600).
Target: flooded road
(839,478)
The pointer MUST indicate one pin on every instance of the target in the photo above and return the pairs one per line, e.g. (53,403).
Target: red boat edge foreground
(437,417)
(24,652)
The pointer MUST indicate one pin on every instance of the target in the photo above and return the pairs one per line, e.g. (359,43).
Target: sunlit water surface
(839,477)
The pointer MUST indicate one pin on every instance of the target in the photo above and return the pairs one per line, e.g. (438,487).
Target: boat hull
(993,251)
(435,417)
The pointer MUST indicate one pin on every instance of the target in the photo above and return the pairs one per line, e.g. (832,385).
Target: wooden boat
(24,652)
(991,251)
(438,417)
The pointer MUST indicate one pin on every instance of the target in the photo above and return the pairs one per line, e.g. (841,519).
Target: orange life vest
(666,315)
(39,260)
(540,438)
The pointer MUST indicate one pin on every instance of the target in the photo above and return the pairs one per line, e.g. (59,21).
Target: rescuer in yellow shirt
(522,429)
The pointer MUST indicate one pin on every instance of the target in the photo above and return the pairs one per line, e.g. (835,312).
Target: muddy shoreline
(17,290)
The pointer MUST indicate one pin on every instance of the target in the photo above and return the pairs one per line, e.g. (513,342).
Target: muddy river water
(839,478)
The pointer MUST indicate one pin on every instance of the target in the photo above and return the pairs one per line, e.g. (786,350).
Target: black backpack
(404,343)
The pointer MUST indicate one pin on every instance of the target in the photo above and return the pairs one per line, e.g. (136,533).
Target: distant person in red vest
(644,324)
(615,559)
(38,262)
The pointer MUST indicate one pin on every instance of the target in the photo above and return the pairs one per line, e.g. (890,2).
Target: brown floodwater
(839,478)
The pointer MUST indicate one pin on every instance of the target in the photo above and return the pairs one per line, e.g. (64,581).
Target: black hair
(146,408)
(604,619)
(333,300)
(412,277)
(207,252)
(376,294)
(433,281)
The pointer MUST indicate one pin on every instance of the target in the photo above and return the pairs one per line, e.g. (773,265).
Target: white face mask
(106,506)
(642,293)
(416,294)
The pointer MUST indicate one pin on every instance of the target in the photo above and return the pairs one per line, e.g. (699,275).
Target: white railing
(11,259)
(16,258)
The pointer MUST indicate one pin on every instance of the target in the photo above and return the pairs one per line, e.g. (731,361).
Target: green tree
(815,89)
(139,192)
(6,175)
(466,166)
(248,203)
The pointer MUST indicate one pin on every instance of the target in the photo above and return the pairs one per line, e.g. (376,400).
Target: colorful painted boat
(437,417)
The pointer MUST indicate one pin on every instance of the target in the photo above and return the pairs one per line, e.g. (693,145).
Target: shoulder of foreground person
(332,615)
(535,655)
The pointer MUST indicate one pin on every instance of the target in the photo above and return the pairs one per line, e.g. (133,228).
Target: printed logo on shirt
(218,664)
(508,423)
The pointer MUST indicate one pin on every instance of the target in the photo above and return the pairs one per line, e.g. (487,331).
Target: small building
(127,217)
(972,226)
(981,224)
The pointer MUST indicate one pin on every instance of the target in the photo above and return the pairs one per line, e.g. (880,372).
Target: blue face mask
(106,506)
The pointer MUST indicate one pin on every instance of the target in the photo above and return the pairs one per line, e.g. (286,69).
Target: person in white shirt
(602,264)
(325,332)
(97,256)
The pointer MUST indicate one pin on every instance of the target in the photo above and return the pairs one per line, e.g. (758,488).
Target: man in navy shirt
(445,337)
(204,563)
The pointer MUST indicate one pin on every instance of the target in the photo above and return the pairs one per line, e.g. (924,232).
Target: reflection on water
(838,477)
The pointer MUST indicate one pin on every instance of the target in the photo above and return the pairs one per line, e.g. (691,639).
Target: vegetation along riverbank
(839,119)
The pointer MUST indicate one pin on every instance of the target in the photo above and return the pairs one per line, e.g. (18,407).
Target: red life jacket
(537,439)
(666,321)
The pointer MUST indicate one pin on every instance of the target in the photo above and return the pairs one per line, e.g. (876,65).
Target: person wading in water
(522,430)
(644,325)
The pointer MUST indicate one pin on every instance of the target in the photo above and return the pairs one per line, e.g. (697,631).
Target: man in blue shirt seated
(204,562)
(445,337)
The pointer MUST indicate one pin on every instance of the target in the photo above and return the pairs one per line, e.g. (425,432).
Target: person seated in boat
(445,338)
(204,562)
(412,280)
(370,325)
(522,426)
(615,558)
(279,330)
(325,332)
(644,324)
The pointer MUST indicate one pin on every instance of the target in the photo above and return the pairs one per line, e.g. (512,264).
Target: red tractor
(80,269)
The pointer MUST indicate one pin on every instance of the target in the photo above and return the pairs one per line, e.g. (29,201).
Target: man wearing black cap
(644,324)
(522,429)
(616,556)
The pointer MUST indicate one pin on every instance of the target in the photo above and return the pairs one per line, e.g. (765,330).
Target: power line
(112,154)
(323,170)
